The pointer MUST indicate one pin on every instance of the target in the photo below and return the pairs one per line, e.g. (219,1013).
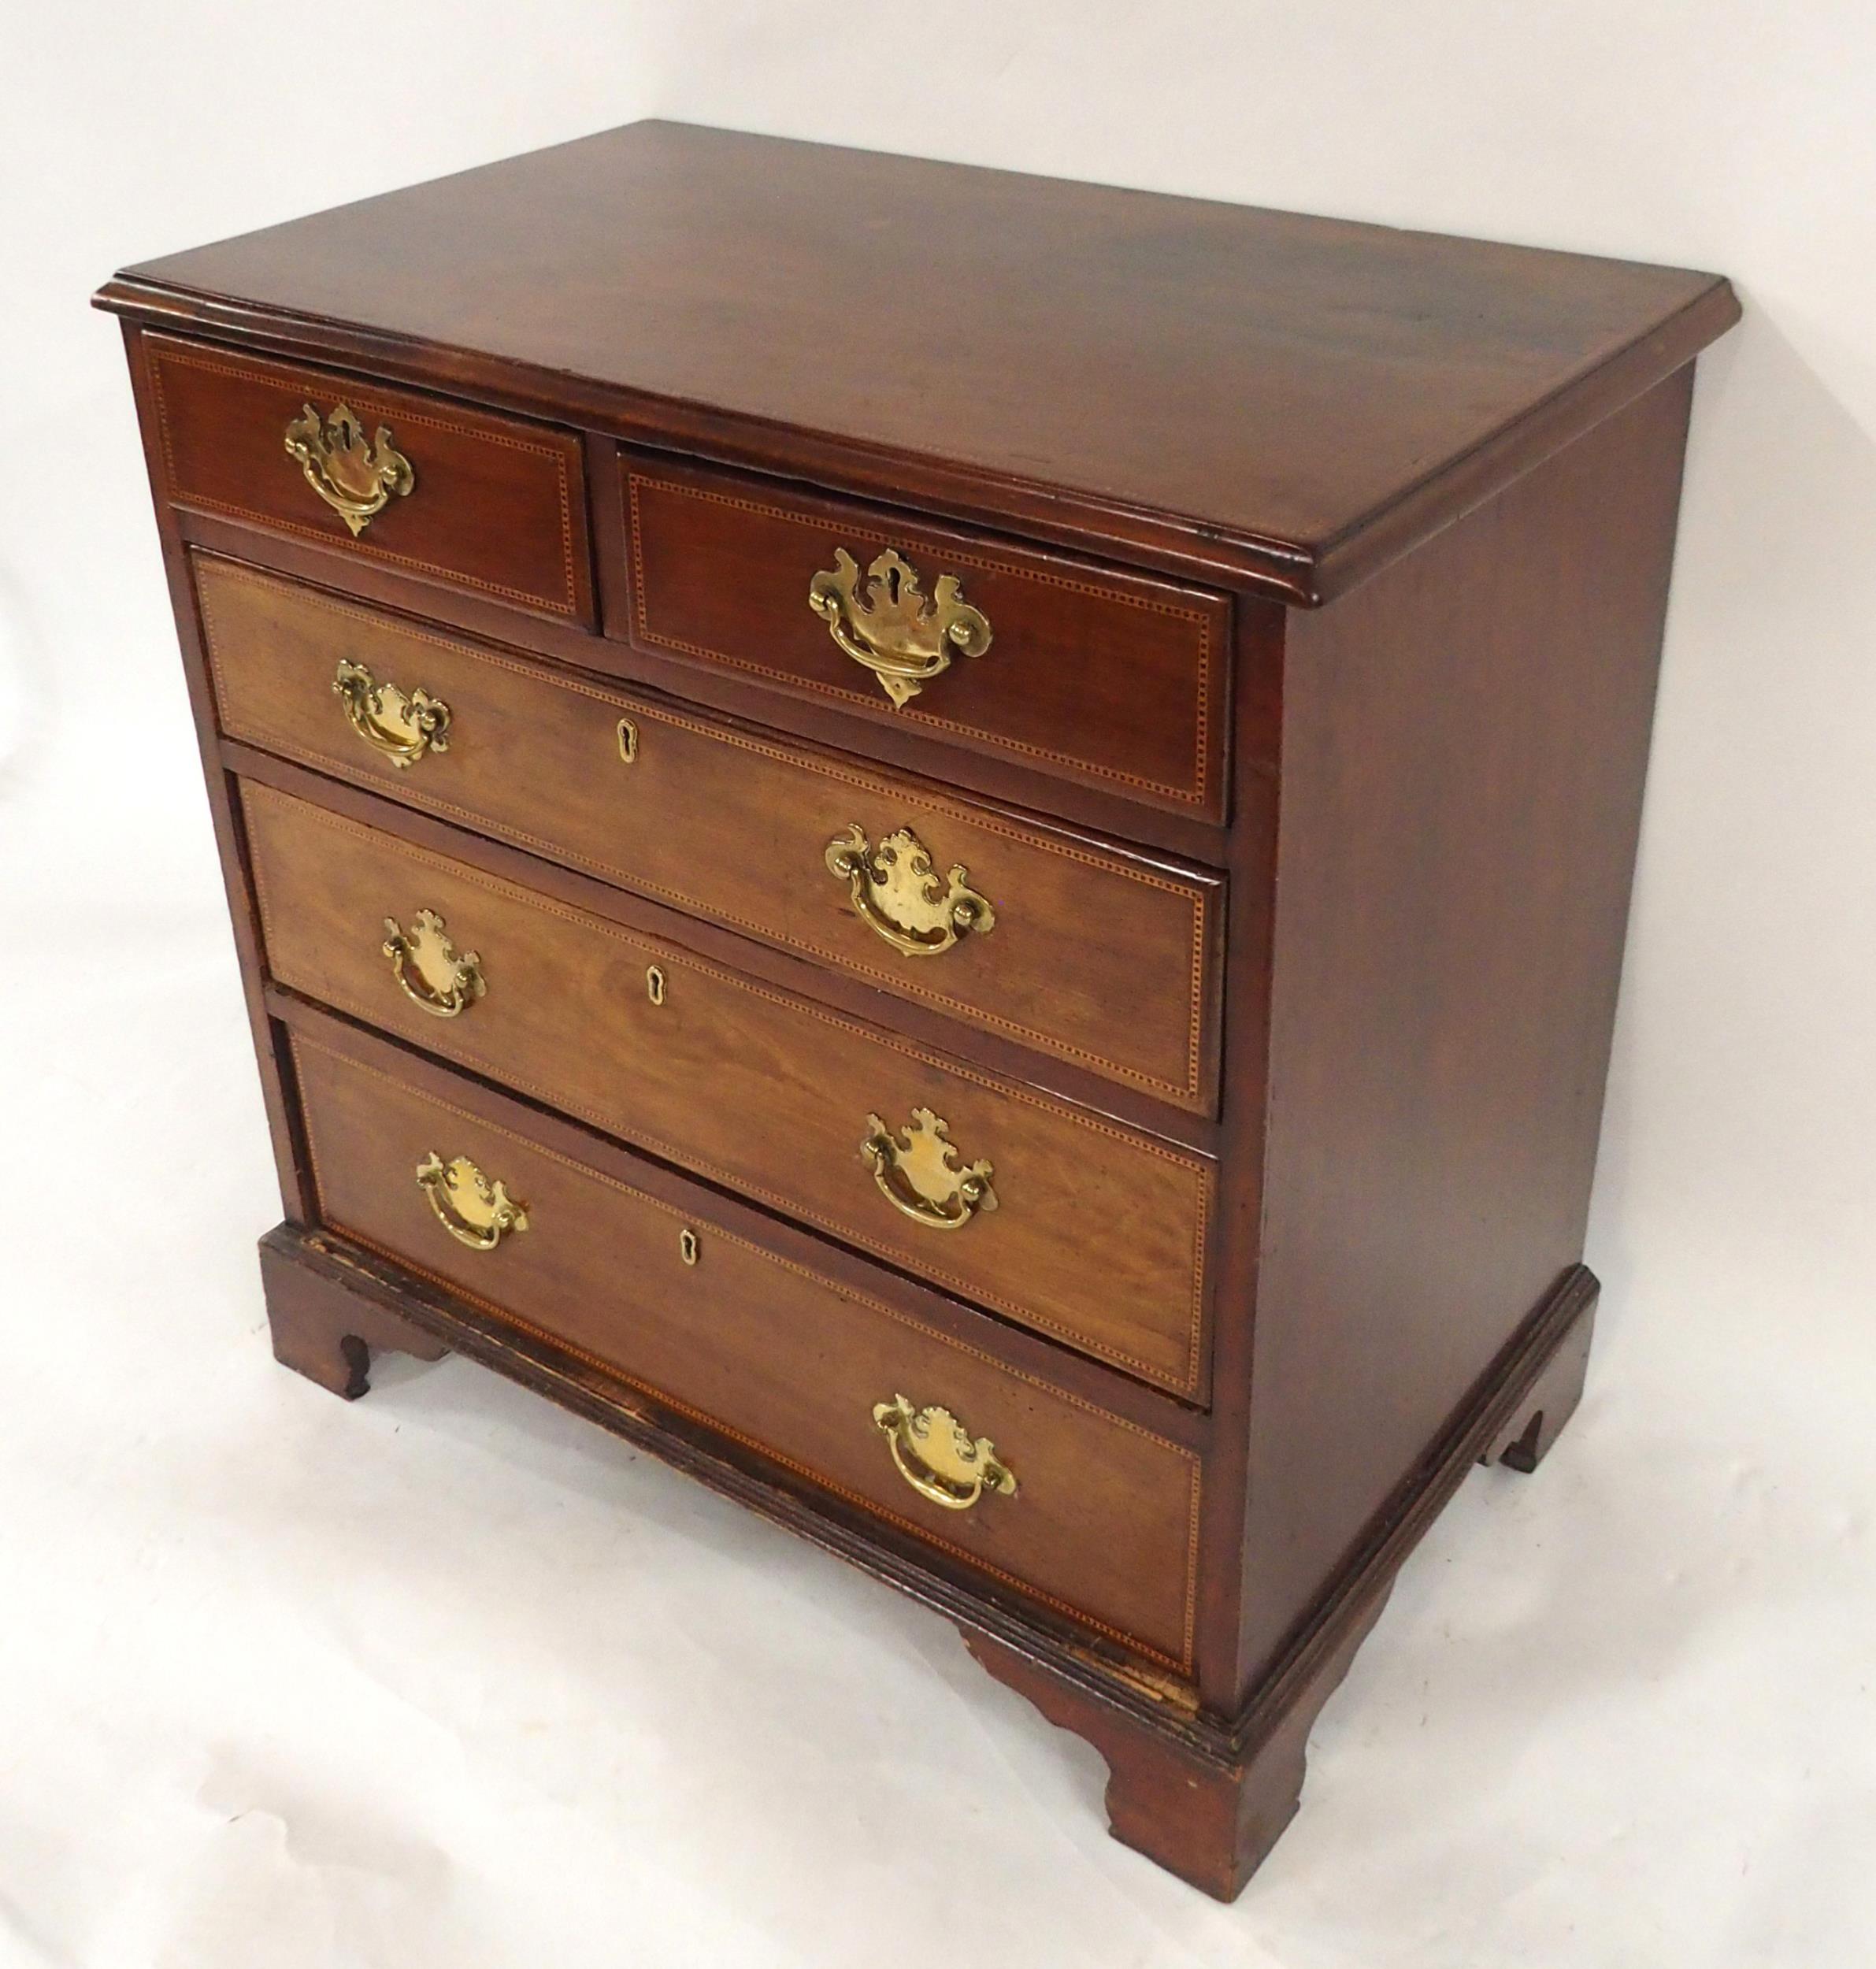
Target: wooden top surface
(1303,397)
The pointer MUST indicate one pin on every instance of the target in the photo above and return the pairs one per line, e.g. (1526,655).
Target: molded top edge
(1285,400)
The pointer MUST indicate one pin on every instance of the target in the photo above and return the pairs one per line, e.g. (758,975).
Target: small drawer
(1093,1515)
(433,488)
(1114,678)
(1075,947)
(1083,1230)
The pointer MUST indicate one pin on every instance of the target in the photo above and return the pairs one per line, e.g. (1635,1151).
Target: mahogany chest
(952,847)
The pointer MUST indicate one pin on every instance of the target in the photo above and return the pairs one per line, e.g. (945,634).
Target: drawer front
(1089,1233)
(1086,951)
(1115,680)
(1102,1522)
(492,503)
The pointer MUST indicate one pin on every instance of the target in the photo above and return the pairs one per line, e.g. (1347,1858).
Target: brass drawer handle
(403,728)
(889,627)
(938,1456)
(897,894)
(356,480)
(473,1210)
(917,1173)
(425,963)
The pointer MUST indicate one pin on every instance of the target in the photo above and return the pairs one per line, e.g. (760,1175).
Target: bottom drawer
(1093,1515)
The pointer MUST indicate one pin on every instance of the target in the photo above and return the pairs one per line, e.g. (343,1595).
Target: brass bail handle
(356,479)
(404,728)
(898,894)
(474,1210)
(938,1457)
(425,964)
(917,1172)
(887,625)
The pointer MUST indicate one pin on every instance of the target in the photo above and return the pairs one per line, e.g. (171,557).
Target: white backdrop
(445,1677)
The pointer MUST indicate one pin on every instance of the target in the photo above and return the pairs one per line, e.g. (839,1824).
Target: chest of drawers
(953,847)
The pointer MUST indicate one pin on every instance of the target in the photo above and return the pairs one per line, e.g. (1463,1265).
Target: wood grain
(1102,1524)
(830,722)
(1105,676)
(1292,386)
(498,505)
(795,974)
(1100,1235)
(1465,741)
(1328,566)
(1099,955)
(270,1060)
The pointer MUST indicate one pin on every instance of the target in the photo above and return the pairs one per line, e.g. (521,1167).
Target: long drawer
(1087,1232)
(1090,1513)
(1075,947)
